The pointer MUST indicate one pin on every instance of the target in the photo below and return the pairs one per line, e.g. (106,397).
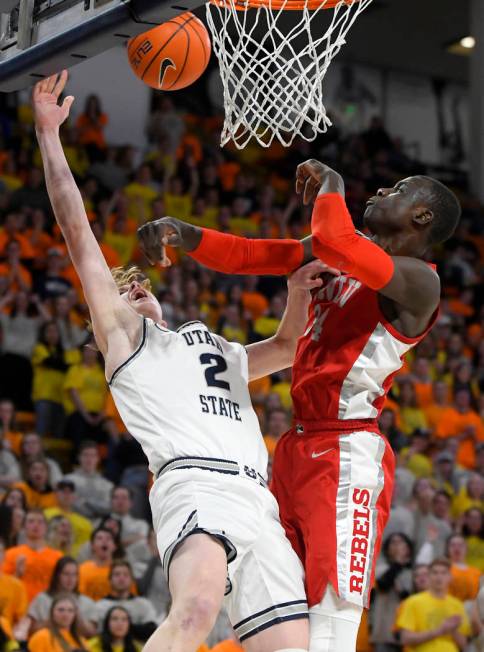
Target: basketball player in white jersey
(184,396)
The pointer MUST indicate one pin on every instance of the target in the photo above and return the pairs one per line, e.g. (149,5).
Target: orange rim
(289,5)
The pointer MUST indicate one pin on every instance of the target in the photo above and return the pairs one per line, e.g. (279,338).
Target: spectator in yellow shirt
(85,391)
(412,417)
(434,621)
(142,189)
(178,202)
(50,363)
(473,531)
(470,495)
(81,527)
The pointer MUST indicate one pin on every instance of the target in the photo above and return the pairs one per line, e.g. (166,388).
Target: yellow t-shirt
(266,326)
(179,206)
(90,384)
(423,612)
(462,502)
(95,645)
(43,641)
(48,383)
(475,552)
(81,527)
(411,419)
(135,191)
(283,389)
(123,243)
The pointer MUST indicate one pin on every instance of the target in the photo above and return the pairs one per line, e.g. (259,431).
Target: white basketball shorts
(265,583)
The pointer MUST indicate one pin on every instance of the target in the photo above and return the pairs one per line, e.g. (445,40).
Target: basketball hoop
(272,72)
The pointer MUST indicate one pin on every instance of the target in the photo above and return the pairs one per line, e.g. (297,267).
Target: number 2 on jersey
(218,367)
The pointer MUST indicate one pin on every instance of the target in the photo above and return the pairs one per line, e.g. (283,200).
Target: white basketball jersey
(185,394)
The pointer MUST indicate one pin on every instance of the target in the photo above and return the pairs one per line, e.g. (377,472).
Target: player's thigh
(198,573)
(292,634)
(267,605)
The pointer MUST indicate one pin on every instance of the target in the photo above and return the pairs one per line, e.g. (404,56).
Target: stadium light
(462,46)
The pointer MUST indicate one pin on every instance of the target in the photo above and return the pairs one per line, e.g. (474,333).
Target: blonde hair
(125,276)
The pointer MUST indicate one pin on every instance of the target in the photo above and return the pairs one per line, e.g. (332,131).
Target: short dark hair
(87,443)
(440,561)
(102,529)
(120,563)
(120,486)
(446,208)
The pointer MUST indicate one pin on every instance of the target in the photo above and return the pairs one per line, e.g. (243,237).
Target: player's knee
(196,613)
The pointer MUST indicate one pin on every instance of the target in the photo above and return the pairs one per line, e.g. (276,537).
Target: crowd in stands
(79,567)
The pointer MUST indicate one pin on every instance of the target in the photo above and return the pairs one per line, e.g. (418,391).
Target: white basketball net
(273,83)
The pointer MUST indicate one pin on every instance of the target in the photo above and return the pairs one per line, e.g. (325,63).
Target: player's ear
(423,216)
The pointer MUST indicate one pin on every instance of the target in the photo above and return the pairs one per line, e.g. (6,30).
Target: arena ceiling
(411,35)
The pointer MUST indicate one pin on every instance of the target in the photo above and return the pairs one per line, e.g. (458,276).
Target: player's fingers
(60,84)
(313,283)
(316,267)
(301,176)
(50,83)
(308,191)
(145,243)
(154,239)
(67,103)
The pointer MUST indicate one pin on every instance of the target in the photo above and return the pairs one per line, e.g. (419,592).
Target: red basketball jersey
(347,358)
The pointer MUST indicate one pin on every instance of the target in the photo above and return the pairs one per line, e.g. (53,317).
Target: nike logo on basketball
(315,455)
(165,64)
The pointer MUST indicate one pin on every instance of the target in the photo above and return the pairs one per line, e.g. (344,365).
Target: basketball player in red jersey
(333,471)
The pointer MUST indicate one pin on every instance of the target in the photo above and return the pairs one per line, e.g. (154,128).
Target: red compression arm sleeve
(231,254)
(336,243)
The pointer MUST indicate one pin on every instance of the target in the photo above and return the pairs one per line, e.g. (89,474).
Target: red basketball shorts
(333,482)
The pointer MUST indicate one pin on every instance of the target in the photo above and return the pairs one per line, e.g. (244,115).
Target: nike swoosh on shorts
(315,455)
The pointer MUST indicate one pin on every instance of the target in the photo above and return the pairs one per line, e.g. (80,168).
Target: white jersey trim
(134,355)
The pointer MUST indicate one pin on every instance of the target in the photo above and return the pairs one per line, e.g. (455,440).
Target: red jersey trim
(400,336)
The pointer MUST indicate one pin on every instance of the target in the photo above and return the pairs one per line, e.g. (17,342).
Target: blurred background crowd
(79,568)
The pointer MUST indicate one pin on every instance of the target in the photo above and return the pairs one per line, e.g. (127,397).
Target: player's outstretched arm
(222,252)
(278,352)
(409,282)
(108,310)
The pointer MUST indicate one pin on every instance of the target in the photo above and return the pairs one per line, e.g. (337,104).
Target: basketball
(172,55)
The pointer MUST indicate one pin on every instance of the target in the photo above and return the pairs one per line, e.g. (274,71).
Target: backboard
(41,37)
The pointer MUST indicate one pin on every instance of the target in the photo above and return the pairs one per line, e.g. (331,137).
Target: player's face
(143,301)
(392,209)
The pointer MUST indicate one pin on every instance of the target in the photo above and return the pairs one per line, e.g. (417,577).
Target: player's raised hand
(156,235)
(308,277)
(49,115)
(314,178)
